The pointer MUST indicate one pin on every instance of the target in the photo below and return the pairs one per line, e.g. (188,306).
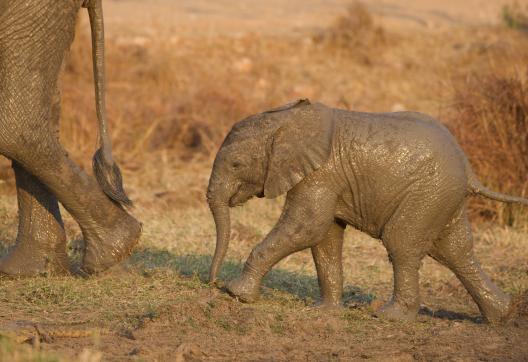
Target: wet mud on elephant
(400,177)
(34,38)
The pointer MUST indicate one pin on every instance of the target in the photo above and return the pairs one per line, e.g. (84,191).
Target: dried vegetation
(515,16)
(353,34)
(164,104)
(490,119)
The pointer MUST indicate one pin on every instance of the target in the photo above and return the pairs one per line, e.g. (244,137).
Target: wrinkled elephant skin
(34,38)
(399,177)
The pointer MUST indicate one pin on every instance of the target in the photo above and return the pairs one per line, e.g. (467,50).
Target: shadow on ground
(4,248)
(298,284)
(302,286)
(449,315)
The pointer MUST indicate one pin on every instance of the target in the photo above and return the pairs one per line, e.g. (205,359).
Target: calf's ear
(301,145)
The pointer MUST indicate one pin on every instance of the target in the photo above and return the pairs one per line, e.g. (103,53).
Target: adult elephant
(34,38)
(400,177)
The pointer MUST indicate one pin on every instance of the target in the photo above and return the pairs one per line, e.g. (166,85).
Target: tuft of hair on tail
(105,169)
(109,177)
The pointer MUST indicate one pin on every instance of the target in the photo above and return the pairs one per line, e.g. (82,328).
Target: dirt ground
(180,73)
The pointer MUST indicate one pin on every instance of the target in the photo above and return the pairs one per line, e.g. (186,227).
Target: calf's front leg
(308,214)
(328,261)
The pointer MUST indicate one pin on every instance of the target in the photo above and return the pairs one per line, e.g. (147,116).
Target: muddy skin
(399,177)
(41,242)
(34,39)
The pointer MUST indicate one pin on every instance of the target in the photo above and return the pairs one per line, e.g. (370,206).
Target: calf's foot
(396,311)
(329,305)
(245,288)
(497,308)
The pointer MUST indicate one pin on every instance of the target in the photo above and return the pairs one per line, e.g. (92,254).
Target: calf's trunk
(223,230)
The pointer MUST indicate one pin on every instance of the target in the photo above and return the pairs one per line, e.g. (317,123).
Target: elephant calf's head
(266,155)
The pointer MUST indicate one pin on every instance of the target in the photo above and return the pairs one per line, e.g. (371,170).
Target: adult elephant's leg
(34,37)
(455,250)
(41,242)
(328,262)
(109,231)
(40,246)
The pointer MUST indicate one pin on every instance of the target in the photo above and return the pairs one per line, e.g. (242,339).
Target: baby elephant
(400,177)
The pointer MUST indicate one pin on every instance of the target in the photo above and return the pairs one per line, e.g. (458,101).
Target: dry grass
(159,107)
(354,34)
(515,16)
(490,120)
(10,351)
(184,96)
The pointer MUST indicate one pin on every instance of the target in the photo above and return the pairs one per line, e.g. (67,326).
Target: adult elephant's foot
(28,259)
(245,288)
(109,245)
(396,311)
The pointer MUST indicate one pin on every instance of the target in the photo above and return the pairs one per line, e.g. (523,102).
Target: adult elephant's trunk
(105,169)
(223,231)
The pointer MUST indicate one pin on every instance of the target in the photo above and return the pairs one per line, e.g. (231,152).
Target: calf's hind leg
(328,262)
(408,237)
(41,242)
(455,250)
(406,245)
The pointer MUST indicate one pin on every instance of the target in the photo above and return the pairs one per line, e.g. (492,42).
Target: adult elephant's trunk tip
(105,169)
(223,226)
